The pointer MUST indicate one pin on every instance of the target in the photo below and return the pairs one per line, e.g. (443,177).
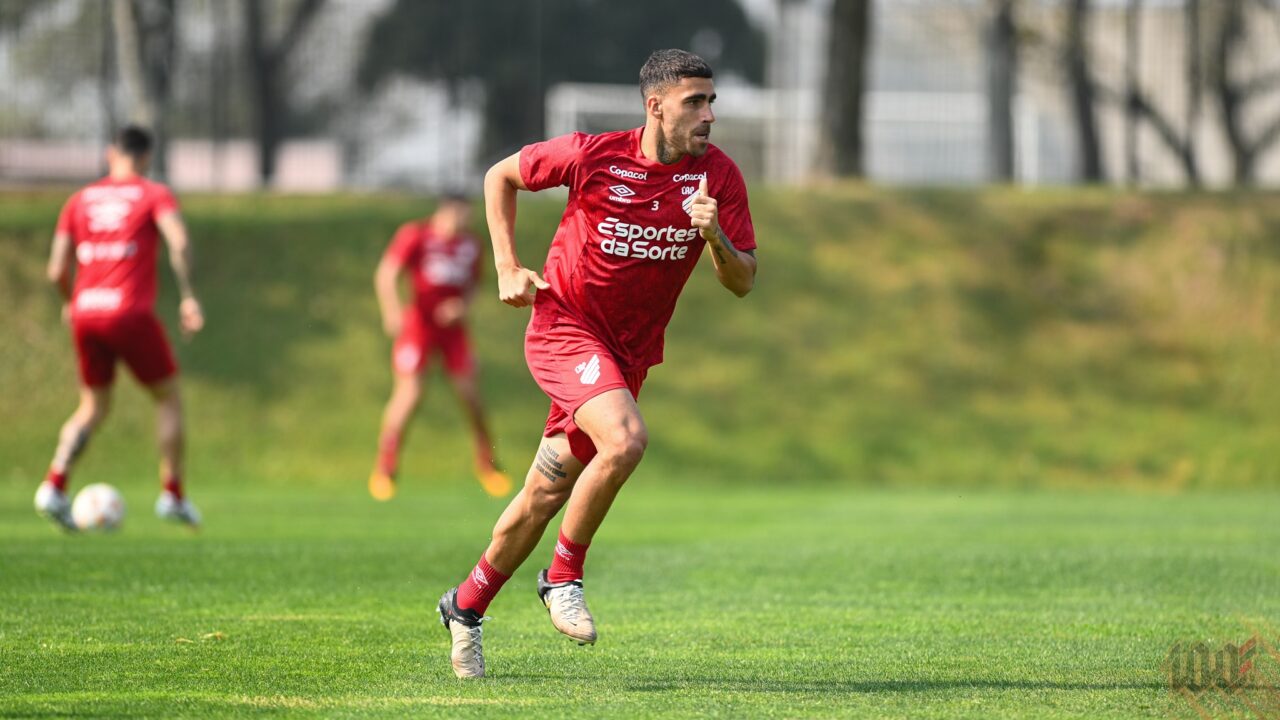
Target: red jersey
(625,248)
(112,224)
(441,267)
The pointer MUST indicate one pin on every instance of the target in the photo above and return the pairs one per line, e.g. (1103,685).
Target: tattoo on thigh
(548,463)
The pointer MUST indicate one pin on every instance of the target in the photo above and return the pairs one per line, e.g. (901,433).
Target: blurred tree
(145,40)
(1081,85)
(518,48)
(267,67)
(1002,84)
(1235,94)
(841,146)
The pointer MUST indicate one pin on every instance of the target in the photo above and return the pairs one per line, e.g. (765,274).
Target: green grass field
(959,455)
(714,600)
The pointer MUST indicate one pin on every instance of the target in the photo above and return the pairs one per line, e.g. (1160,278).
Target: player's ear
(653,104)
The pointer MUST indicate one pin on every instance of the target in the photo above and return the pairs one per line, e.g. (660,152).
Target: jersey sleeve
(552,162)
(735,213)
(403,245)
(162,201)
(66,217)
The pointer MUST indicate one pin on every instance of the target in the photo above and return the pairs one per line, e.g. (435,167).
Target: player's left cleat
(179,510)
(52,504)
(495,482)
(381,486)
(568,609)
(467,652)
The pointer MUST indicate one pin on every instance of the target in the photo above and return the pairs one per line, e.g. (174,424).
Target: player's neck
(122,172)
(654,146)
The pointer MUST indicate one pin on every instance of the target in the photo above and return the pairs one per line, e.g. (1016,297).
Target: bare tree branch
(303,14)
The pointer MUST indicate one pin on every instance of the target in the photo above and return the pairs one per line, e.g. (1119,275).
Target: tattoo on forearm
(724,249)
(549,465)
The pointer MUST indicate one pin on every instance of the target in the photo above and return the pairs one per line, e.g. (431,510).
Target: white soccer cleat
(568,609)
(170,507)
(467,652)
(52,503)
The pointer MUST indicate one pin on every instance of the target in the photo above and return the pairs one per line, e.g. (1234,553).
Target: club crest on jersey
(688,205)
(621,193)
(589,371)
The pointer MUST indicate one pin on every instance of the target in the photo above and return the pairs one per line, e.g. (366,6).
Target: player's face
(453,217)
(687,115)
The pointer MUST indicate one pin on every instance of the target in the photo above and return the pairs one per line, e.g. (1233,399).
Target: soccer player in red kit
(110,231)
(443,262)
(643,204)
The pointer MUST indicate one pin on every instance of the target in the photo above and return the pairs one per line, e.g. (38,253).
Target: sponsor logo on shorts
(407,358)
(589,371)
(628,174)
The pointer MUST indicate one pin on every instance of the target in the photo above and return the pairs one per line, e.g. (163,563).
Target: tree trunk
(1082,92)
(144,39)
(1132,81)
(1230,96)
(267,61)
(1195,85)
(1002,83)
(847,51)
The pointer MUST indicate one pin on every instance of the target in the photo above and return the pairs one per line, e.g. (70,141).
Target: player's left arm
(736,269)
(174,230)
(61,259)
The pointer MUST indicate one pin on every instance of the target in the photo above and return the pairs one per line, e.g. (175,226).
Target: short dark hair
(455,197)
(134,141)
(668,67)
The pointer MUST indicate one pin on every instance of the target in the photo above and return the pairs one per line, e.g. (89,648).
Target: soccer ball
(98,507)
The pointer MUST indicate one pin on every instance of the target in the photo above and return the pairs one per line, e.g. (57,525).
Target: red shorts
(572,366)
(137,338)
(420,340)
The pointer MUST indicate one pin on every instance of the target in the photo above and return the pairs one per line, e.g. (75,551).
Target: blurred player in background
(442,260)
(643,206)
(109,232)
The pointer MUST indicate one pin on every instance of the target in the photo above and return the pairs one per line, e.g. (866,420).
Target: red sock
(478,590)
(566,562)
(57,479)
(389,454)
(173,484)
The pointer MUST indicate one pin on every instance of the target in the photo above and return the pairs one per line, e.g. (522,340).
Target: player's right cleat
(381,486)
(52,504)
(495,482)
(568,609)
(467,653)
(179,510)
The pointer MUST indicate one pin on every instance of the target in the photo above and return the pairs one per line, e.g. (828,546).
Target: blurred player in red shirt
(110,232)
(442,260)
(643,206)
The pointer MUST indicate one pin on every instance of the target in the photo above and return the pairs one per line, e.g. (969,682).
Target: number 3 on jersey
(655,206)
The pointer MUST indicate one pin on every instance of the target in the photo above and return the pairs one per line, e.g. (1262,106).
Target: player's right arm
(174,230)
(516,283)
